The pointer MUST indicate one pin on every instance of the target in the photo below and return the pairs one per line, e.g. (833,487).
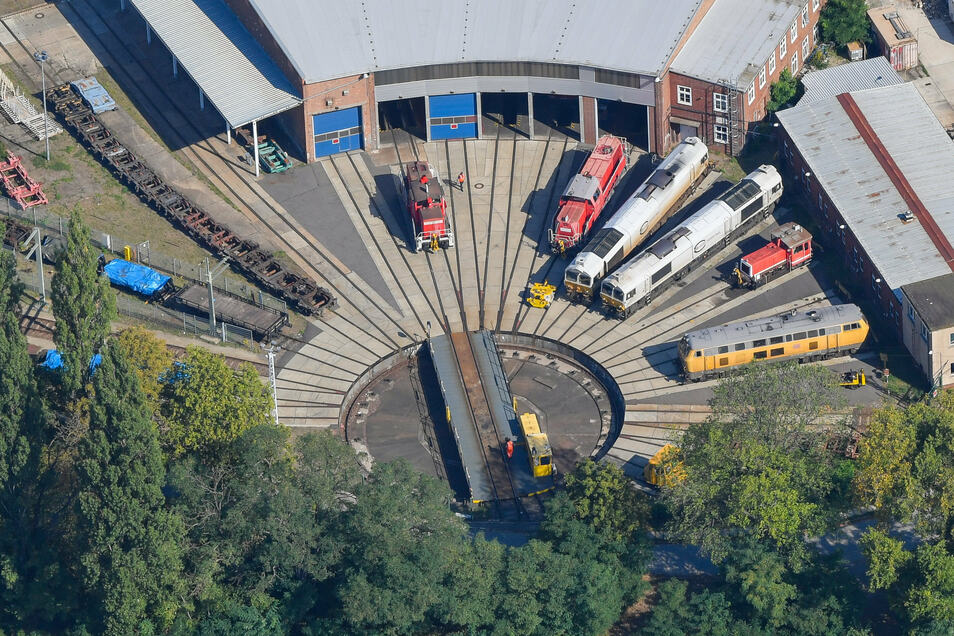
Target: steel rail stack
(257,264)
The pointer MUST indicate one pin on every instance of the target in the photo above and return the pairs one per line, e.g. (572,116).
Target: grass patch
(57,165)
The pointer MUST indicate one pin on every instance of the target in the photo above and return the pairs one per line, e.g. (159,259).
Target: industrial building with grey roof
(339,73)
(876,166)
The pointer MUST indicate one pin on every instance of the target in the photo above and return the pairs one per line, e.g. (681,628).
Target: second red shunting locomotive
(790,247)
(427,206)
(587,194)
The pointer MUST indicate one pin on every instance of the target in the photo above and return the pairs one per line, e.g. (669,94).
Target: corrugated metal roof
(847,78)
(736,38)
(861,190)
(215,49)
(337,39)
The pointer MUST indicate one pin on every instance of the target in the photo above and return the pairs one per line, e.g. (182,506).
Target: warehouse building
(876,166)
(334,77)
(928,327)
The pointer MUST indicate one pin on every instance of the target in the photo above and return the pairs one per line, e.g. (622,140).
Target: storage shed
(897,43)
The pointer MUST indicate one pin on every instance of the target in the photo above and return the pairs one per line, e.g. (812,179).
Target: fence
(156,315)
(142,253)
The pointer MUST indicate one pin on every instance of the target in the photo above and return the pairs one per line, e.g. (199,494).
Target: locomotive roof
(778,325)
(327,40)
(582,187)
(415,170)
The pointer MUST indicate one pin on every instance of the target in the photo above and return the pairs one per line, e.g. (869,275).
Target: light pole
(270,354)
(41,57)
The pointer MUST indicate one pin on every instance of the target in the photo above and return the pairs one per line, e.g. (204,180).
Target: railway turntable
(480,411)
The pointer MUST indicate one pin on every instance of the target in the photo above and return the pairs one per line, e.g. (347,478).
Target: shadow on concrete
(540,215)
(664,359)
(393,213)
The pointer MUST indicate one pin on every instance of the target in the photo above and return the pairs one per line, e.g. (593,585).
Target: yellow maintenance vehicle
(538,446)
(664,468)
(541,294)
(853,379)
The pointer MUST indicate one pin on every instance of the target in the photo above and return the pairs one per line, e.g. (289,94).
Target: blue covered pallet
(54,360)
(94,94)
(133,276)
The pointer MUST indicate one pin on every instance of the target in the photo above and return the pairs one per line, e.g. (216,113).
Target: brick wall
(837,237)
(344,92)
(702,109)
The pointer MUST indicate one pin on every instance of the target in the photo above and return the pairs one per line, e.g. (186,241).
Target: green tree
(402,546)
(782,91)
(758,465)
(208,404)
(844,21)
(28,572)
(149,356)
(606,499)
(127,547)
(83,306)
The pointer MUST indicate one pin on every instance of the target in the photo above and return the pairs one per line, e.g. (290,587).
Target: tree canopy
(782,91)
(844,21)
(758,465)
(83,306)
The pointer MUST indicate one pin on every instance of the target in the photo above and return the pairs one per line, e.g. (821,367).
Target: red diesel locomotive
(790,247)
(587,194)
(427,207)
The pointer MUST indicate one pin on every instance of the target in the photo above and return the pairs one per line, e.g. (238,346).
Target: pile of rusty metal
(246,256)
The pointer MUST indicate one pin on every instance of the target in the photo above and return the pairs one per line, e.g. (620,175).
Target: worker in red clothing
(509,448)
(460,180)
(424,180)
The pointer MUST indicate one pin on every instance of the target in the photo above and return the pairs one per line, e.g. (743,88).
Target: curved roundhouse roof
(327,40)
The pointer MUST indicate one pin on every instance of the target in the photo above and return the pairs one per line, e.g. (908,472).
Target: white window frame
(762,78)
(805,48)
(720,134)
(684,90)
(752,93)
(793,32)
(771,65)
(720,102)
(815,34)
(782,50)
(805,17)
(794,64)
(816,4)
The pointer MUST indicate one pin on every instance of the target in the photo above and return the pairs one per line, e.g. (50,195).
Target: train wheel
(853,351)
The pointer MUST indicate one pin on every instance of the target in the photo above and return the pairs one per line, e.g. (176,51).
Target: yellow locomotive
(813,335)
(538,446)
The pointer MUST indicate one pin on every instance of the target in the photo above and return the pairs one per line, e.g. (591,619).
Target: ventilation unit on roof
(900,30)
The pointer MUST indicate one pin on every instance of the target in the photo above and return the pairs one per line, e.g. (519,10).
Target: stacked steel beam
(247,257)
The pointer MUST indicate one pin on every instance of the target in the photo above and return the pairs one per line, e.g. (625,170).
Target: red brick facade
(701,109)
(837,237)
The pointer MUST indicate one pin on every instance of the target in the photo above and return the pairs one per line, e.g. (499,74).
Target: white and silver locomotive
(692,242)
(638,217)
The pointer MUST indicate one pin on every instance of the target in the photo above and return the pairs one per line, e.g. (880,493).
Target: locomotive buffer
(481,415)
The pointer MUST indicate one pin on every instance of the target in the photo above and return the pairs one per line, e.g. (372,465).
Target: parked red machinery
(790,247)
(587,194)
(427,206)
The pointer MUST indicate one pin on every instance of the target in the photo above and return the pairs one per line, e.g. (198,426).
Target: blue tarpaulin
(54,361)
(139,278)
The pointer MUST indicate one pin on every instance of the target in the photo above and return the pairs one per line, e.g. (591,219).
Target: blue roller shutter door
(338,131)
(453,116)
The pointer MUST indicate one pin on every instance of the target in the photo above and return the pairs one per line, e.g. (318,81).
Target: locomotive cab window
(698,354)
(584,279)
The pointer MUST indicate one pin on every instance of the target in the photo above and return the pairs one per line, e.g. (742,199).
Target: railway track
(158,105)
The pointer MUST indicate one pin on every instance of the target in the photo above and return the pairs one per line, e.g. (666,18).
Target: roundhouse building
(444,69)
